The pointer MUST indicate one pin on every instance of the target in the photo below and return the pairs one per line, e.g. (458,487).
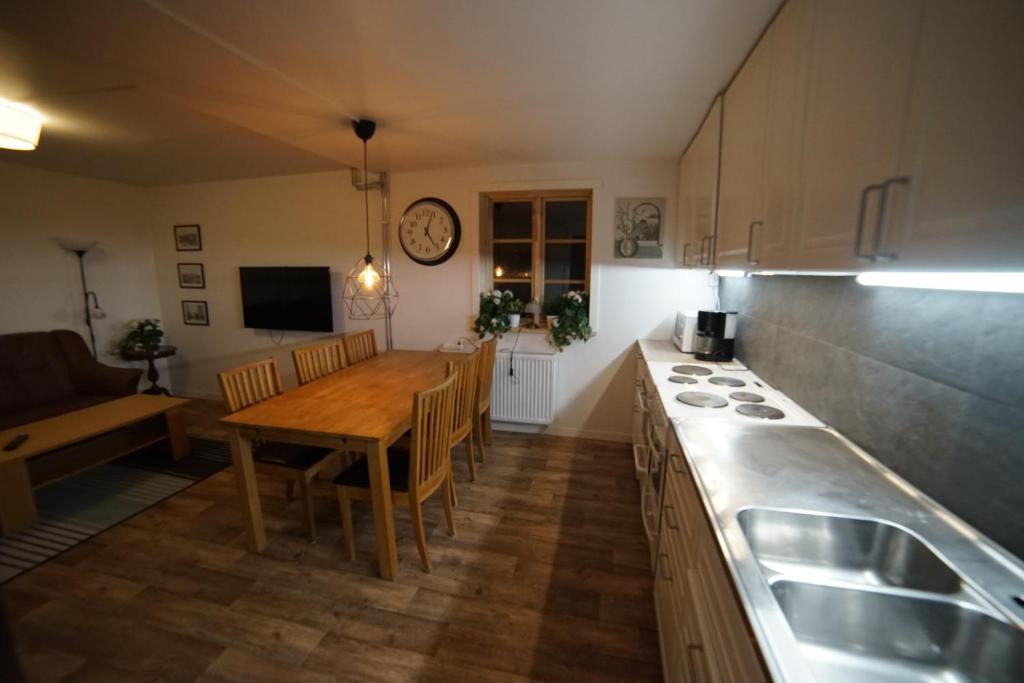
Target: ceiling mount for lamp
(369,290)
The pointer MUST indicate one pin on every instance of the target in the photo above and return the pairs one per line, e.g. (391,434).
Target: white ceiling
(155,92)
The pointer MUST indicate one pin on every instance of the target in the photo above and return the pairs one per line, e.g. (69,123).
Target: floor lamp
(93,312)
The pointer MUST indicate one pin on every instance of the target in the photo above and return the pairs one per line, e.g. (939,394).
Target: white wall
(300,220)
(40,280)
(631,299)
(317,219)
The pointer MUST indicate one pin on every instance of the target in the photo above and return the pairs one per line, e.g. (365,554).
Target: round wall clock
(430,231)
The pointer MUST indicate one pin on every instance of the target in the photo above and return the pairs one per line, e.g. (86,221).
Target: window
(539,245)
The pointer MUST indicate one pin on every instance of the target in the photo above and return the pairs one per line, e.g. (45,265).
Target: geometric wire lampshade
(370,294)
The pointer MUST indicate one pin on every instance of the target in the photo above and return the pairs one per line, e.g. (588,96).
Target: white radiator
(528,395)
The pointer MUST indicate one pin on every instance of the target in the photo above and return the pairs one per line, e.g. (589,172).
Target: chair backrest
(360,345)
(487,351)
(319,360)
(431,433)
(249,384)
(466,372)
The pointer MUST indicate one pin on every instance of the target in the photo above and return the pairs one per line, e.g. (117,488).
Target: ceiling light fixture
(369,291)
(20,126)
(967,282)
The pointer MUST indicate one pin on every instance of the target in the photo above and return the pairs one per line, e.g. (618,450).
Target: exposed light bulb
(369,277)
(499,272)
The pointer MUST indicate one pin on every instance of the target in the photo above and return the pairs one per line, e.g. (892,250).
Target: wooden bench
(60,446)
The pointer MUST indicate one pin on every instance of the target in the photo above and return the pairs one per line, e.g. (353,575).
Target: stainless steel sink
(864,635)
(816,547)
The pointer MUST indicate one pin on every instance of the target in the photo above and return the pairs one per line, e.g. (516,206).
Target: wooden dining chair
(296,464)
(360,345)
(414,474)
(466,372)
(319,360)
(483,412)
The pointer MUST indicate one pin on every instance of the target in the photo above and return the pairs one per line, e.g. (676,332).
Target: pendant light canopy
(369,291)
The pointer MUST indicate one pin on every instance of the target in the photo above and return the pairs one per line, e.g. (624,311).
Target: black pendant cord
(366,198)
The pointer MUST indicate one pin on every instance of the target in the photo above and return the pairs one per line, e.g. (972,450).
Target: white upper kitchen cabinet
(787,98)
(698,193)
(962,204)
(862,55)
(743,133)
(761,146)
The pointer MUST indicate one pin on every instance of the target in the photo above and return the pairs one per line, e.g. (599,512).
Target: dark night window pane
(521,290)
(513,220)
(513,260)
(565,261)
(565,220)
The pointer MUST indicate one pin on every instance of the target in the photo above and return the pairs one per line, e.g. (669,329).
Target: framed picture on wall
(195,313)
(191,276)
(188,238)
(638,227)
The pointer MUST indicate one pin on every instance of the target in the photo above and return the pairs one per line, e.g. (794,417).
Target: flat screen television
(287,298)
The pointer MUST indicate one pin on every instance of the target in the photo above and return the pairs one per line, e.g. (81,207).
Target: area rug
(77,508)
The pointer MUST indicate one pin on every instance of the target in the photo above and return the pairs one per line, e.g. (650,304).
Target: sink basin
(862,635)
(815,547)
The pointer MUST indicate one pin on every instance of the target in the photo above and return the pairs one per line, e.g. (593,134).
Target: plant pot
(513,320)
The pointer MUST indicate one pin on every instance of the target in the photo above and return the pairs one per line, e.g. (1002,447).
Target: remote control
(15,442)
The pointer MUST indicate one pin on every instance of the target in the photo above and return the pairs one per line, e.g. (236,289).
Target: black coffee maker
(716,334)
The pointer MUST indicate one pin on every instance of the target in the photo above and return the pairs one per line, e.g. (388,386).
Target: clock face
(429,231)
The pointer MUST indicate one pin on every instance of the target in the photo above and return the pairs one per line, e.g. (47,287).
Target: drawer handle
(686,259)
(692,662)
(670,517)
(663,565)
(675,461)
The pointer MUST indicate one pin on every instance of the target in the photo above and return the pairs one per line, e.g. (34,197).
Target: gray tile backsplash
(931,383)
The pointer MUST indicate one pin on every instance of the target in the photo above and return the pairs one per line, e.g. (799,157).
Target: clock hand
(426,230)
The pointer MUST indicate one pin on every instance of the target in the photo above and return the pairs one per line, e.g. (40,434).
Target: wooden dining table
(367,406)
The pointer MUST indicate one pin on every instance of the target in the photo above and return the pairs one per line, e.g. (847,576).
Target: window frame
(538,239)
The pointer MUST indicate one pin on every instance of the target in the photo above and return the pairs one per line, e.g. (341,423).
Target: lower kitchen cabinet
(704,634)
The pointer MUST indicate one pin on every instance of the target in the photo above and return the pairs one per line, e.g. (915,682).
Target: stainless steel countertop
(814,469)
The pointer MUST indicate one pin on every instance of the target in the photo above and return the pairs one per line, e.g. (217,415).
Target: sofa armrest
(89,375)
(105,379)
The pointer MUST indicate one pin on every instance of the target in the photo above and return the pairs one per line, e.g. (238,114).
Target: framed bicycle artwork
(638,225)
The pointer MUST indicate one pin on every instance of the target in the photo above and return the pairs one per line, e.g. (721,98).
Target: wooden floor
(548,578)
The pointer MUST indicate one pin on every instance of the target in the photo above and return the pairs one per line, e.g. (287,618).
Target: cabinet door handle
(686,259)
(859,237)
(663,565)
(675,461)
(670,517)
(691,662)
(882,219)
(750,243)
(704,240)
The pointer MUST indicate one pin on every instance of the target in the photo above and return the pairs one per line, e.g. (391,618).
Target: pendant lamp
(369,292)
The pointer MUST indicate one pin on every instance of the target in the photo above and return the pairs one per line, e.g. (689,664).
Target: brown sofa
(43,374)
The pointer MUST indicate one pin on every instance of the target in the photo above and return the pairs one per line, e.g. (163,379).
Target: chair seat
(358,475)
(292,456)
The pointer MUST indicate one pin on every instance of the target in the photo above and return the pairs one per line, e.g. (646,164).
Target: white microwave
(685,330)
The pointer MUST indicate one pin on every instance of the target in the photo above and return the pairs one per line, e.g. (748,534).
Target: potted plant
(494,313)
(571,321)
(515,310)
(143,335)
